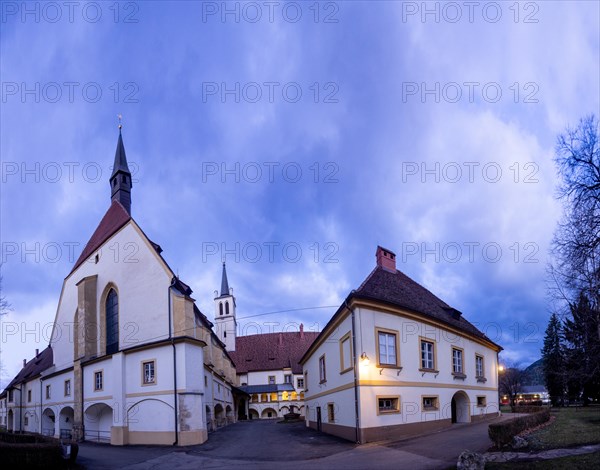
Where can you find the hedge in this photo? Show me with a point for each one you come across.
(502, 434)
(527, 408)
(29, 451)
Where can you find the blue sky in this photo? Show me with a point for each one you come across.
(311, 130)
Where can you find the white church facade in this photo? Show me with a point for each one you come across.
(132, 359)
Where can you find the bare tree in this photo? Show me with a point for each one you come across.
(575, 272)
(510, 383)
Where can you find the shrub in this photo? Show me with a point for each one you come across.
(502, 434)
(29, 451)
(527, 408)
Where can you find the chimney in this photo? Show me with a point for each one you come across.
(37, 352)
(24, 362)
(386, 259)
(301, 330)
(280, 339)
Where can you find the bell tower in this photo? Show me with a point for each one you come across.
(225, 322)
(120, 180)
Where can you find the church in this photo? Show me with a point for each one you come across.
(132, 358)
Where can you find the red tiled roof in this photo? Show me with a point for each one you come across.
(271, 351)
(116, 217)
(34, 367)
(399, 289)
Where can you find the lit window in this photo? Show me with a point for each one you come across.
(387, 348)
(322, 371)
(427, 357)
(98, 381)
(48, 392)
(67, 388)
(457, 361)
(149, 372)
(388, 404)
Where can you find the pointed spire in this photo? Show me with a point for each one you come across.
(224, 283)
(120, 180)
(120, 157)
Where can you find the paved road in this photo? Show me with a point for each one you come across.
(268, 445)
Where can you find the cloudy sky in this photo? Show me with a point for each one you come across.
(292, 138)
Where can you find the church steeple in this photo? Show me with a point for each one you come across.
(224, 283)
(225, 322)
(120, 180)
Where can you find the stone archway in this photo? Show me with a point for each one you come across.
(98, 420)
(219, 415)
(268, 413)
(65, 422)
(460, 408)
(253, 414)
(48, 422)
(209, 420)
(229, 414)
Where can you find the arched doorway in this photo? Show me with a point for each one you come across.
(65, 422)
(48, 420)
(253, 414)
(269, 413)
(98, 419)
(10, 425)
(460, 408)
(219, 415)
(229, 414)
(209, 421)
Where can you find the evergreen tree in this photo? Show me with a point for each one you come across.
(554, 363)
(582, 352)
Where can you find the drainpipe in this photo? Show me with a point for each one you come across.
(82, 437)
(354, 361)
(41, 404)
(174, 363)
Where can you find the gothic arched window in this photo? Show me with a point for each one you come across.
(112, 322)
(220, 308)
(226, 308)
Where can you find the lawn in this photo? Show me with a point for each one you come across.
(571, 427)
(582, 462)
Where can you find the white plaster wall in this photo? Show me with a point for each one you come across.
(142, 282)
(409, 331)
